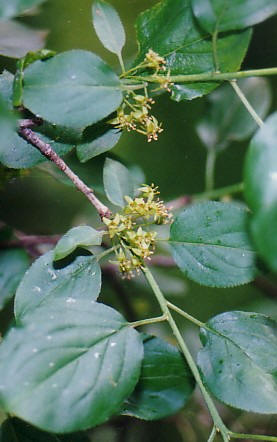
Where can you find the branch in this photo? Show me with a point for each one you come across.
(46, 150)
(208, 76)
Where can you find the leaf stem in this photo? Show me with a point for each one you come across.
(212, 435)
(252, 436)
(215, 55)
(46, 150)
(210, 76)
(121, 62)
(148, 321)
(185, 315)
(165, 309)
(246, 103)
(210, 169)
(107, 252)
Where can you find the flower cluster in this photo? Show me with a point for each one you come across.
(134, 115)
(153, 60)
(127, 229)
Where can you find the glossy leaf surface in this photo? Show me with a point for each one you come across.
(260, 173)
(165, 383)
(83, 357)
(239, 360)
(210, 244)
(12, 8)
(16, 39)
(108, 26)
(47, 281)
(226, 118)
(13, 264)
(77, 237)
(64, 89)
(186, 48)
(118, 182)
(231, 15)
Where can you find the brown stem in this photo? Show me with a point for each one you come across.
(49, 153)
(180, 202)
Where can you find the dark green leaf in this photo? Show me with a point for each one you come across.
(17, 39)
(15, 152)
(13, 264)
(229, 15)
(239, 360)
(211, 246)
(165, 383)
(226, 118)
(108, 26)
(12, 8)
(81, 278)
(97, 140)
(260, 173)
(64, 89)
(186, 48)
(82, 236)
(70, 367)
(15, 430)
(264, 230)
(118, 182)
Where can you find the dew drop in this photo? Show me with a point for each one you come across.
(96, 355)
(51, 364)
(48, 337)
(37, 289)
(52, 274)
(71, 300)
(34, 350)
(113, 344)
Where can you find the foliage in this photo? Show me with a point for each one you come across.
(70, 362)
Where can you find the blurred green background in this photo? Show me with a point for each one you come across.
(37, 203)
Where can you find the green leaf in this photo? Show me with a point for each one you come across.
(165, 383)
(13, 264)
(226, 118)
(211, 246)
(239, 360)
(82, 236)
(186, 48)
(15, 430)
(70, 367)
(12, 8)
(229, 15)
(260, 173)
(15, 152)
(108, 26)
(97, 140)
(118, 182)
(47, 281)
(16, 39)
(264, 232)
(64, 89)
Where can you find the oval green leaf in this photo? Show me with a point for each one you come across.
(239, 360)
(210, 244)
(108, 26)
(83, 357)
(47, 281)
(186, 48)
(118, 182)
(64, 89)
(230, 15)
(13, 264)
(260, 172)
(82, 236)
(165, 383)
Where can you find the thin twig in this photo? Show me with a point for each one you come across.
(246, 103)
(49, 153)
